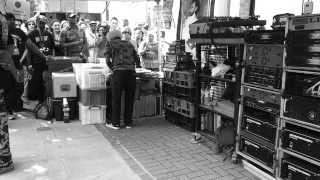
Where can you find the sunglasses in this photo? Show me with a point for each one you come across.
(126, 32)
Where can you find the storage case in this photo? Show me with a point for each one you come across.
(91, 76)
(257, 151)
(262, 129)
(303, 84)
(185, 79)
(301, 140)
(64, 85)
(92, 114)
(57, 107)
(297, 169)
(93, 97)
(302, 108)
(184, 108)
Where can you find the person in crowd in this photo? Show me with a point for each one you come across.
(56, 37)
(192, 17)
(101, 41)
(126, 35)
(64, 25)
(138, 37)
(83, 25)
(30, 25)
(148, 51)
(114, 24)
(92, 38)
(8, 76)
(40, 45)
(19, 45)
(73, 39)
(18, 23)
(121, 57)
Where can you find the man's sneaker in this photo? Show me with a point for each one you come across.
(128, 127)
(112, 126)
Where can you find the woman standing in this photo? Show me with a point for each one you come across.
(55, 27)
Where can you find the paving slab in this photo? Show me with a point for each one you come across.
(164, 151)
(63, 151)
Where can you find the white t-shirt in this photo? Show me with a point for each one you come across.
(186, 34)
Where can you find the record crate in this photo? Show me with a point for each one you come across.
(188, 94)
(185, 79)
(180, 120)
(168, 88)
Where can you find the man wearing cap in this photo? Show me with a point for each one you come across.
(40, 45)
(73, 39)
(121, 57)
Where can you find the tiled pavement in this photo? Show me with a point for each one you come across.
(157, 149)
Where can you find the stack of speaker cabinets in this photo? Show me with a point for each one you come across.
(260, 99)
(91, 79)
(64, 87)
(300, 127)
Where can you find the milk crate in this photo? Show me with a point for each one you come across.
(93, 97)
(184, 108)
(188, 94)
(185, 79)
(92, 114)
(91, 76)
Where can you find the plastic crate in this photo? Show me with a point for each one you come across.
(91, 76)
(93, 97)
(188, 94)
(185, 79)
(92, 114)
(184, 108)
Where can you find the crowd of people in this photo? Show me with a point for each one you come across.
(26, 46)
(36, 39)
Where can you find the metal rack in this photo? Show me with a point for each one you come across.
(223, 108)
(270, 172)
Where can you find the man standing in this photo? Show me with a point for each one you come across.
(92, 38)
(19, 43)
(124, 58)
(73, 39)
(191, 18)
(40, 45)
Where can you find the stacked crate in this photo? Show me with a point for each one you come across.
(179, 95)
(92, 79)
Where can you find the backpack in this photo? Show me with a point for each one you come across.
(43, 110)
